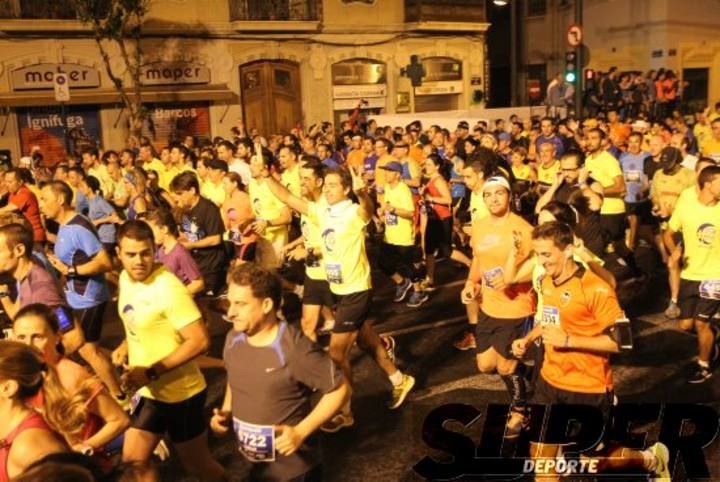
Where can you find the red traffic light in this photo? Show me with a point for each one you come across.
(589, 74)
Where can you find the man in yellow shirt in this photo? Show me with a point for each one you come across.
(711, 146)
(398, 250)
(180, 159)
(164, 332)
(93, 167)
(342, 227)
(290, 176)
(148, 160)
(548, 166)
(698, 219)
(119, 195)
(214, 188)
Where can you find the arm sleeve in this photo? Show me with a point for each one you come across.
(311, 366)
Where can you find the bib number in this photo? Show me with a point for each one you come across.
(391, 219)
(256, 442)
(550, 316)
(632, 176)
(490, 274)
(710, 289)
(333, 273)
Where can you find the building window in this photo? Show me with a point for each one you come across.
(37, 9)
(536, 8)
(302, 10)
(445, 11)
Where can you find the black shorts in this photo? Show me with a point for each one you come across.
(438, 236)
(694, 307)
(643, 211)
(182, 421)
(546, 394)
(91, 321)
(351, 311)
(214, 283)
(317, 292)
(498, 333)
(398, 259)
(614, 226)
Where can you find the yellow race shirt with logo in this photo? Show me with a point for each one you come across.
(153, 312)
(398, 230)
(665, 189)
(290, 178)
(711, 148)
(478, 208)
(266, 206)
(699, 225)
(547, 175)
(214, 192)
(166, 175)
(522, 172)
(604, 168)
(342, 232)
(311, 237)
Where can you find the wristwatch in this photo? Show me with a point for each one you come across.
(72, 272)
(152, 374)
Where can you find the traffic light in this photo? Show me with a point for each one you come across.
(571, 66)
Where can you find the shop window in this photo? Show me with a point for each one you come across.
(168, 123)
(536, 8)
(45, 127)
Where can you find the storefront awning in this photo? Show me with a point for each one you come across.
(31, 98)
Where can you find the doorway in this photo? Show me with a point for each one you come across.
(271, 99)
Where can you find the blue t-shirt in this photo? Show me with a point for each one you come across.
(633, 172)
(457, 189)
(81, 203)
(77, 243)
(554, 140)
(407, 175)
(330, 162)
(369, 164)
(100, 208)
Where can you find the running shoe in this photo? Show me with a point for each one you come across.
(401, 391)
(661, 473)
(338, 422)
(701, 375)
(401, 290)
(389, 344)
(467, 342)
(672, 311)
(417, 298)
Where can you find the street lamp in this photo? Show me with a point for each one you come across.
(500, 3)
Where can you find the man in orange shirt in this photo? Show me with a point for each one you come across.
(581, 325)
(504, 309)
(356, 156)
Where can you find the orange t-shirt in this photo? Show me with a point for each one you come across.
(584, 305)
(491, 244)
(356, 159)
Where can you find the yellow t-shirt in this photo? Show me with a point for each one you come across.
(214, 192)
(342, 230)
(311, 237)
(546, 175)
(155, 165)
(604, 168)
(702, 132)
(290, 178)
(398, 230)
(665, 189)
(266, 206)
(522, 173)
(101, 174)
(711, 148)
(153, 312)
(700, 226)
(478, 208)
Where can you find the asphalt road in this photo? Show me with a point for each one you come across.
(385, 445)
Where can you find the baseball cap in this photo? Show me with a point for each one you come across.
(392, 166)
(496, 181)
(217, 164)
(640, 124)
(463, 125)
(504, 136)
(670, 155)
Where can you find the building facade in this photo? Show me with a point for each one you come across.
(275, 64)
(636, 35)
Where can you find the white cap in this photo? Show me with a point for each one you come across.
(496, 181)
(26, 161)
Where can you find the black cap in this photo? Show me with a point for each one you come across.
(217, 164)
(670, 155)
(463, 125)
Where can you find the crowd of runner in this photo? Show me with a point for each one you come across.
(542, 216)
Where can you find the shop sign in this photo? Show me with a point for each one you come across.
(440, 88)
(169, 123)
(359, 91)
(357, 72)
(174, 74)
(40, 76)
(350, 104)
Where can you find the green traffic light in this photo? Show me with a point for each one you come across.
(570, 77)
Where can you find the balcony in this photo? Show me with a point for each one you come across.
(275, 15)
(442, 11)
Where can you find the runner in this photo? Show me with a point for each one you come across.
(272, 371)
(581, 325)
(342, 226)
(164, 333)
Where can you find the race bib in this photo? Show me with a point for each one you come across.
(490, 274)
(333, 272)
(256, 442)
(633, 176)
(391, 219)
(710, 289)
(550, 316)
(235, 236)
